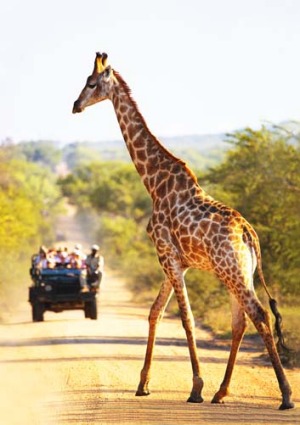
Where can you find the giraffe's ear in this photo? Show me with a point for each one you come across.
(105, 75)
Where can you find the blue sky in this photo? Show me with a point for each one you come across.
(194, 66)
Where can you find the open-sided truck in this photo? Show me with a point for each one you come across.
(59, 289)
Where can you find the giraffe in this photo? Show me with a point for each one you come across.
(189, 230)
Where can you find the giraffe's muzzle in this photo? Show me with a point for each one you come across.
(77, 107)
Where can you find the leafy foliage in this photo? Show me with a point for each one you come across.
(29, 199)
(40, 152)
(78, 154)
(260, 178)
(111, 187)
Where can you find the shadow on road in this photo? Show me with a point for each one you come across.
(95, 406)
(134, 341)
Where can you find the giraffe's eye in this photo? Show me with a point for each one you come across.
(90, 84)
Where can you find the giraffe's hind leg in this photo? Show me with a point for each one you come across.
(239, 324)
(261, 320)
(156, 313)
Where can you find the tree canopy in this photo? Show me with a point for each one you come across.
(260, 177)
(29, 201)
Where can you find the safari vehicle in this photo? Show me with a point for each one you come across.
(59, 289)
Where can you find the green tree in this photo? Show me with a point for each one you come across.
(29, 202)
(111, 187)
(41, 152)
(77, 155)
(122, 192)
(260, 178)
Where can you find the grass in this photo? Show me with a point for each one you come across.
(291, 330)
(219, 321)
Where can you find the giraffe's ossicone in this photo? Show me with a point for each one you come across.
(189, 229)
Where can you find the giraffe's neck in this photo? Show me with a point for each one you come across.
(153, 162)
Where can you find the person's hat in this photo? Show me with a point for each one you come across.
(78, 246)
(95, 247)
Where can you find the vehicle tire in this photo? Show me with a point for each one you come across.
(94, 314)
(90, 309)
(37, 312)
(87, 310)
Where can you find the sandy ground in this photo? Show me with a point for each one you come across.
(71, 370)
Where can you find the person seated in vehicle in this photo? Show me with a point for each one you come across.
(78, 248)
(51, 254)
(40, 261)
(75, 260)
(94, 268)
(65, 256)
(59, 258)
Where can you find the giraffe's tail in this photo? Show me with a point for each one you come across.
(281, 346)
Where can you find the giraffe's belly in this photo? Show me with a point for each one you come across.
(193, 253)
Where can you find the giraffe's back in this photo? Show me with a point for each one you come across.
(210, 235)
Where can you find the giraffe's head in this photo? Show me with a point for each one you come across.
(98, 84)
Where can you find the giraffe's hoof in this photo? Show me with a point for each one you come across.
(142, 393)
(217, 399)
(195, 399)
(286, 405)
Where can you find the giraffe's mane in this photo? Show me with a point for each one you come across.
(127, 90)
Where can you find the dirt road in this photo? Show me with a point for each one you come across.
(70, 370)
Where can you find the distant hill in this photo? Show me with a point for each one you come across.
(199, 151)
(198, 142)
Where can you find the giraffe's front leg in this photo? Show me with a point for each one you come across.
(189, 326)
(196, 393)
(156, 314)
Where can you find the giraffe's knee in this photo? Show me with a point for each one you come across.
(262, 315)
(187, 320)
(239, 328)
(187, 324)
(267, 319)
(155, 315)
(251, 305)
(261, 319)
